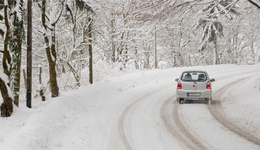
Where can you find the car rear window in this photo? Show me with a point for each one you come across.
(194, 76)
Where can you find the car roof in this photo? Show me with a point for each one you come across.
(194, 71)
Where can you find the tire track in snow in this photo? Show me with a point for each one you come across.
(217, 112)
(123, 117)
(174, 124)
(177, 128)
(179, 131)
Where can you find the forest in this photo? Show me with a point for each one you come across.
(78, 42)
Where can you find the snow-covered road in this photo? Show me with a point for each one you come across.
(190, 124)
(138, 111)
(211, 127)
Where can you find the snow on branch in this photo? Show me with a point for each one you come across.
(5, 79)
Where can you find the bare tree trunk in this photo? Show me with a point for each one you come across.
(16, 58)
(29, 56)
(24, 77)
(51, 53)
(155, 51)
(76, 76)
(42, 90)
(17, 71)
(215, 57)
(6, 56)
(113, 46)
(147, 56)
(253, 53)
(147, 60)
(90, 50)
(120, 50)
(52, 71)
(180, 45)
(136, 59)
(7, 105)
(52, 67)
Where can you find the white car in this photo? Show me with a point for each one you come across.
(194, 85)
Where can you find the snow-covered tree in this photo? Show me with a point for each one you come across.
(140, 34)
(80, 15)
(15, 45)
(49, 19)
(7, 103)
(212, 25)
(12, 33)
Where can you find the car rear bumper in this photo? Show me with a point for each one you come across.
(194, 95)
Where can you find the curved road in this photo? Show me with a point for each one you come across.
(156, 121)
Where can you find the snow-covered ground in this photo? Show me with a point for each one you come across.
(241, 104)
(138, 111)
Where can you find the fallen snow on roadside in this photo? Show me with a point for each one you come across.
(86, 118)
(242, 105)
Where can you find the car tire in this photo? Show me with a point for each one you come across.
(181, 101)
(209, 101)
(178, 100)
(206, 101)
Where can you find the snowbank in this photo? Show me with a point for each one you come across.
(242, 105)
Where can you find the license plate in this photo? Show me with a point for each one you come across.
(193, 94)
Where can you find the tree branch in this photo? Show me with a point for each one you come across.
(57, 19)
(2, 32)
(254, 3)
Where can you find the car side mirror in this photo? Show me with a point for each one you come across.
(212, 80)
(177, 79)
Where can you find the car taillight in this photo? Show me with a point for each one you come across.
(179, 86)
(208, 86)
